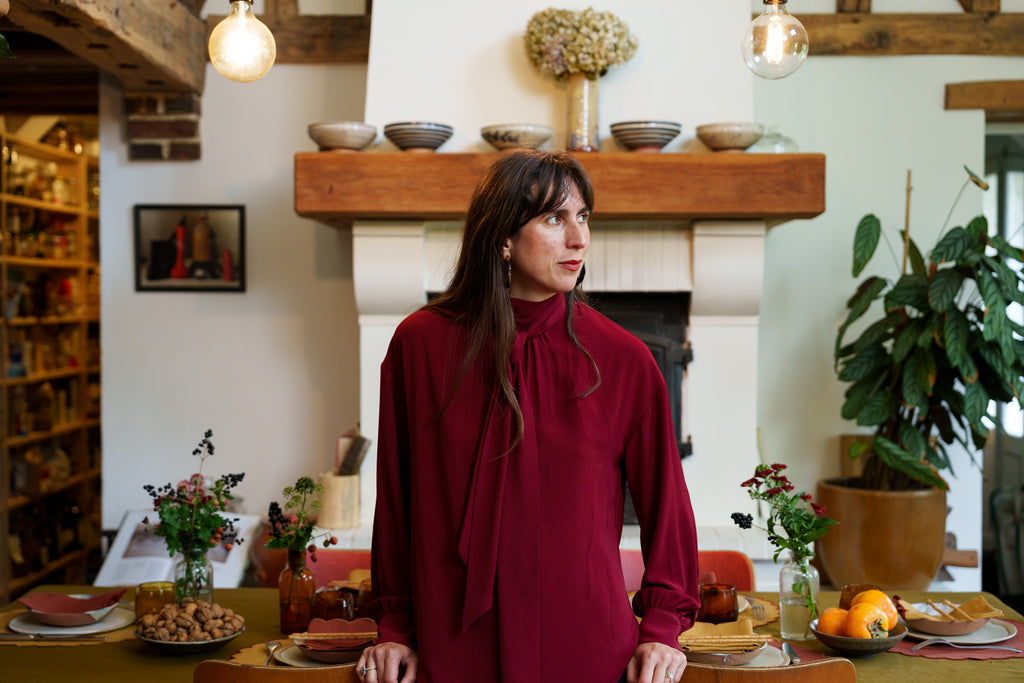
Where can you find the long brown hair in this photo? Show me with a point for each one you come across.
(517, 188)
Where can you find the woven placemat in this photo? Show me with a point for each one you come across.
(771, 611)
(257, 654)
(124, 633)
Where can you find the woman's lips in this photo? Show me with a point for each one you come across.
(571, 265)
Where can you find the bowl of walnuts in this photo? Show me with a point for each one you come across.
(190, 626)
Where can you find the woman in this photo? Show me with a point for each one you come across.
(511, 416)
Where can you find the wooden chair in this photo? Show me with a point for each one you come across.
(835, 670)
(726, 566)
(222, 671)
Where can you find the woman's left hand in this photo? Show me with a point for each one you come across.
(655, 663)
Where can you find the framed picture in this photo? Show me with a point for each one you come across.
(189, 247)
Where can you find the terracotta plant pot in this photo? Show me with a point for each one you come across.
(892, 539)
(267, 563)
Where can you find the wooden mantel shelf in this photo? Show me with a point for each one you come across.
(340, 187)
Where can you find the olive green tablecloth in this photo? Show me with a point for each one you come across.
(132, 660)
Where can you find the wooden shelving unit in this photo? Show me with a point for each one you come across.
(50, 458)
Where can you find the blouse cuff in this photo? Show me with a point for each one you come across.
(659, 626)
(397, 627)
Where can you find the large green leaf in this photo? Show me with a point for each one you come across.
(898, 459)
(5, 49)
(955, 329)
(906, 339)
(978, 230)
(988, 285)
(910, 290)
(865, 241)
(1006, 277)
(943, 288)
(857, 305)
(862, 364)
(878, 410)
(918, 378)
(879, 331)
(916, 260)
(1006, 249)
(953, 244)
(997, 329)
(912, 440)
(975, 402)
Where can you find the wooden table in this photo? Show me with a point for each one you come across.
(132, 660)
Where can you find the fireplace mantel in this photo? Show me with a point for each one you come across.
(338, 188)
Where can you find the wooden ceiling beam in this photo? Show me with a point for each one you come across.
(1001, 100)
(146, 45)
(868, 34)
(985, 6)
(853, 6)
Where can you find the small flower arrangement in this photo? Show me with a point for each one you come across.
(190, 512)
(295, 532)
(560, 42)
(790, 525)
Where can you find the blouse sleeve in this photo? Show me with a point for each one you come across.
(390, 555)
(667, 599)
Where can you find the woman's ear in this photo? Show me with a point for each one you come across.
(506, 250)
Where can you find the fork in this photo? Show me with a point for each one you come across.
(941, 641)
(271, 646)
(757, 611)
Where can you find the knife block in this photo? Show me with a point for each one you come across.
(340, 501)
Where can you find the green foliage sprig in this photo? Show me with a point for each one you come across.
(5, 48)
(190, 519)
(924, 373)
(295, 532)
(560, 42)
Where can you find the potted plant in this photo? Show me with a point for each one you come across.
(923, 375)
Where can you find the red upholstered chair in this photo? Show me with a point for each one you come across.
(725, 566)
(335, 565)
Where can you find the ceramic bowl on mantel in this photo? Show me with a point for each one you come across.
(418, 136)
(342, 136)
(645, 136)
(729, 137)
(511, 135)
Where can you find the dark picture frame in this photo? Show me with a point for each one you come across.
(189, 247)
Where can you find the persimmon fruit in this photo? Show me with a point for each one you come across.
(882, 602)
(833, 621)
(864, 620)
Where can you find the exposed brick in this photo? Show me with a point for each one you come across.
(145, 151)
(162, 128)
(184, 104)
(141, 104)
(184, 151)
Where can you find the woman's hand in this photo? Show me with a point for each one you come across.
(655, 663)
(383, 662)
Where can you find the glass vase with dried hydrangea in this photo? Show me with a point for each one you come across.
(579, 47)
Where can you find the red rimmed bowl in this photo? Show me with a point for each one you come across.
(336, 650)
(60, 609)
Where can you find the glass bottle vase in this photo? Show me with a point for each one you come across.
(296, 586)
(193, 575)
(798, 594)
(582, 119)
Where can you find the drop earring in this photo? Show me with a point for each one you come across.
(508, 271)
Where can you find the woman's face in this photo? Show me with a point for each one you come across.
(547, 253)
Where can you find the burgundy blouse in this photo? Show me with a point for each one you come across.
(504, 566)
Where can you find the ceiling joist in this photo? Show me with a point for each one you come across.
(1001, 100)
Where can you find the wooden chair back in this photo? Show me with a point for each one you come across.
(727, 566)
(223, 671)
(835, 670)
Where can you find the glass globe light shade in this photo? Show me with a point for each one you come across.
(775, 43)
(242, 48)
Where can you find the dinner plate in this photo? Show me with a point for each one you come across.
(27, 623)
(770, 656)
(293, 656)
(995, 631)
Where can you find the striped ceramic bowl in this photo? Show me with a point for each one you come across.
(645, 136)
(417, 136)
(342, 135)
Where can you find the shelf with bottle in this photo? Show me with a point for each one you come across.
(15, 502)
(37, 436)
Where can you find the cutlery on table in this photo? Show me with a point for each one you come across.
(757, 611)
(48, 636)
(271, 646)
(941, 641)
(794, 658)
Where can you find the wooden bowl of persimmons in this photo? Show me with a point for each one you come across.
(870, 625)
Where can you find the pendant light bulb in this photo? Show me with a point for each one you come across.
(775, 43)
(242, 48)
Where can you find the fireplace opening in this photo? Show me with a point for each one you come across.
(658, 319)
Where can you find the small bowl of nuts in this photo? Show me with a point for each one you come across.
(189, 627)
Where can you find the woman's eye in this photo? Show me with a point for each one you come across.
(553, 219)
(583, 218)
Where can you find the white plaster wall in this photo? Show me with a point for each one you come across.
(272, 371)
(873, 118)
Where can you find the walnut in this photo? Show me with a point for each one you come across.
(190, 608)
(171, 627)
(168, 612)
(217, 610)
(185, 621)
(148, 620)
(217, 633)
(203, 615)
(162, 634)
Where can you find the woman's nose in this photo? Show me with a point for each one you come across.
(577, 234)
